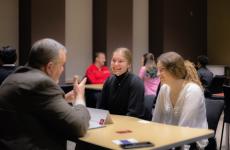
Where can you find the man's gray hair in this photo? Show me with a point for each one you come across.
(44, 51)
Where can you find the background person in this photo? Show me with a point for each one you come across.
(123, 92)
(181, 99)
(148, 73)
(204, 73)
(97, 72)
(8, 56)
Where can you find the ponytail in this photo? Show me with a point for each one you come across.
(192, 73)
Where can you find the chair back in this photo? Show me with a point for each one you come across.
(148, 103)
(157, 93)
(214, 108)
(226, 89)
(66, 87)
(216, 86)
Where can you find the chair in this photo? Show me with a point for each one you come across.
(155, 99)
(214, 108)
(226, 89)
(93, 98)
(216, 86)
(148, 103)
(66, 87)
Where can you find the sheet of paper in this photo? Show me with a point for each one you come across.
(99, 118)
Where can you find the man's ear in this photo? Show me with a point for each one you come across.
(48, 68)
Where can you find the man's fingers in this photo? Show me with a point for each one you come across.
(83, 81)
(75, 78)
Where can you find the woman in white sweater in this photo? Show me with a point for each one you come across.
(181, 99)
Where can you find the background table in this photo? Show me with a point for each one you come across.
(94, 86)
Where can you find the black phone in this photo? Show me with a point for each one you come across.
(137, 145)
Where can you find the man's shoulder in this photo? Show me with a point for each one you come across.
(28, 71)
(134, 77)
(136, 80)
(3, 70)
(105, 68)
(28, 75)
(110, 80)
(203, 70)
(7, 68)
(92, 66)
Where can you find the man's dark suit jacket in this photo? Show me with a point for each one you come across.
(34, 114)
(5, 71)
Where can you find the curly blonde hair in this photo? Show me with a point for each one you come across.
(191, 73)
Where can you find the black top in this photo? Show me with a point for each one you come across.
(123, 95)
(5, 71)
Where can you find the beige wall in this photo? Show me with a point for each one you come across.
(219, 32)
(78, 32)
(140, 32)
(9, 23)
(78, 37)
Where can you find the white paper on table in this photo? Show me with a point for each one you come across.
(99, 118)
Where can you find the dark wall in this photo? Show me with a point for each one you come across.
(99, 26)
(119, 24)
(182, 28)
(40, 19)
(218, 32)
(112, 25)
(156, 27)
(24, 30)
(48, 20)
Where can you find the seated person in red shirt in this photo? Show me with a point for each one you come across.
(97, 72)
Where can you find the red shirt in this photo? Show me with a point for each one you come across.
(97, 75)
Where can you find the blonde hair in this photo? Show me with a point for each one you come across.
(191, 73)
(126, 53)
